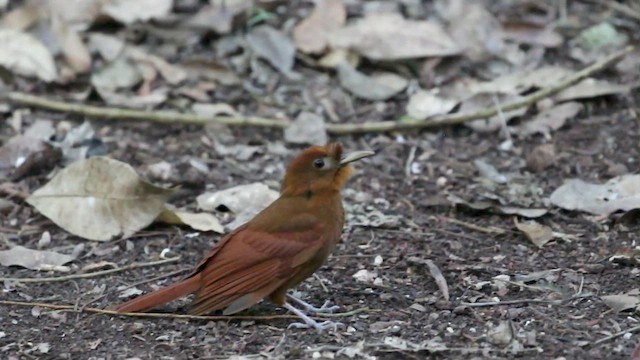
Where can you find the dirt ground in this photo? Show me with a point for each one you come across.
(547, 307)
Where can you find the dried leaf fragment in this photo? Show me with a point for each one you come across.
(100, 198)
(376, 87)
(243, 200)
(34, 259)
(619, 193)
(198, 221)
(392, 37)
(273, 46)
(537, 233)
(310, 35)
(26, 56)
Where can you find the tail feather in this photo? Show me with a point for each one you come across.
(161, 296)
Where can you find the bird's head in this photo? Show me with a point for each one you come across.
(320, 168)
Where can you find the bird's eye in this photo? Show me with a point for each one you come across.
(318, 163)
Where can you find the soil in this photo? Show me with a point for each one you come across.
(556, 313)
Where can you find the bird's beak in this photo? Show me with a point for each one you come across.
(355, 156)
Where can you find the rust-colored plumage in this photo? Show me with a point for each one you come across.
(279, 248)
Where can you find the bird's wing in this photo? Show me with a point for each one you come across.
(250, 264)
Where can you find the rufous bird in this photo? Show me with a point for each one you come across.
(276, 250)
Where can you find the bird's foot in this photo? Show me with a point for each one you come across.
(324, 309)
(320, 327)
(309, 322)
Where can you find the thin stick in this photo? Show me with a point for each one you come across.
(512, 302)
(460, 118)
(92, 274)
(164, 117)
(169, 315)
(613, 336)
(168, 117)
(486, 230)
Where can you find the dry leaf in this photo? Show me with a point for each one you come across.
(501, 335)
(439, 278)
(590, 88)
(548, 120)
(198, 221)
(621, 302)
(273, 46)
(100, 198)
(474, 29)
(244, 200)
(206, 109)
(520, 82)
(425, 104)
(532, 34)
(119, 74)
(619, 193)
(336, 57)
(80, 13)
(307, 128)
(109, 47)
(73, 48)
(392, 37)
(537, 233)
(15, 151)
(25, 55)
(130, 11)
(173, 74)
(311, 34)
(36, 259)
(376, 87)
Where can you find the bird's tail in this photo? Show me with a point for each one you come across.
(161, 296)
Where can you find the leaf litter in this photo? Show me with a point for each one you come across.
(99, 199)
(198, 53)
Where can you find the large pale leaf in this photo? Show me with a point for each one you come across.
(100, 198)
(619, 193)
(25, 55)
(310, 35)
(392, 37)
(36, 259)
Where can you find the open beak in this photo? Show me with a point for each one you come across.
(355, 156)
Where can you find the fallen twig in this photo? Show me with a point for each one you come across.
(613, 336)
(170, 315)
(512, 302)
(168, 117)
(92, 274)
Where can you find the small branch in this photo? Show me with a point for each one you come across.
(169, 117)
(613, 336)
(169, 315)
(163, 117)
(92, 274)
(512, 302)
(486, 230)
(460, 118)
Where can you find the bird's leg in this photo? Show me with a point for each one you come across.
(325, 308)
(309, 322)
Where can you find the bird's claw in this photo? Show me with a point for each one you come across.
(320, 327)
(324, 309)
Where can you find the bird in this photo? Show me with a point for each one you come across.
(280, 247)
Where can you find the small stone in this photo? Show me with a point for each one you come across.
(541, 157)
